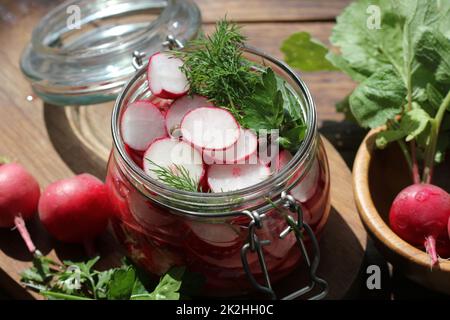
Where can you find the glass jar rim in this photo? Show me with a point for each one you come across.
(300, 156)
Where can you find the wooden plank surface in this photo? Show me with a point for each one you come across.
(344, 235)
(271, 10)
(36, 135)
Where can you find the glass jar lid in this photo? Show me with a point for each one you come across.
(81, 51)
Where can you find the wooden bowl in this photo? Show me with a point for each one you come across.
(378, 176)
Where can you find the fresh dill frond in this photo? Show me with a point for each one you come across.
(215, 68)
(178, 178)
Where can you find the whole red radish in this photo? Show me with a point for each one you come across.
(19, 197)
(420, 215)
(75, 210)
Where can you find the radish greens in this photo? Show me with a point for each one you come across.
(403, 71)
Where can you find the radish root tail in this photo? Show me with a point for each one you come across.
(21, 227)
(430, 246)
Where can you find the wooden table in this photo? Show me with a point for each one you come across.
(23, 123)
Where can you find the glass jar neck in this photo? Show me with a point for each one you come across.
(225, 203)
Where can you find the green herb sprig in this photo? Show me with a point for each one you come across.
(80, 281)
(215, 68)
(178, 178)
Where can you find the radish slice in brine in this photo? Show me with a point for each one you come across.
(165, 78)
(230, 177)
(170, 153)
(210, 128)
(141, 124)
(242, 152)
(180, 108)
(308, 184)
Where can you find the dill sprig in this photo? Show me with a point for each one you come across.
(215, 68)
(179, 178)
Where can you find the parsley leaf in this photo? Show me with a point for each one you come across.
(273, 106)
(264, 108)
(80, 281)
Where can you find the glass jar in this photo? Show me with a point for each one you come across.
(238, 240)
(80, 52)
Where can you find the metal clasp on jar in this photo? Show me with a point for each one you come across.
(171, 42)
(299, 227)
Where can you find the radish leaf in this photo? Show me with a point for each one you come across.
(305, 53)
(378, 98)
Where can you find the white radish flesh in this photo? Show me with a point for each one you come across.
(142, 123)
(180, 108)
(242, 152)
(165, 78)
(170, 153)
(307, 185)
(282, 160)
(210, 128)
(224, 178)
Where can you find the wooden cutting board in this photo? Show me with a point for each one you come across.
(342, 245)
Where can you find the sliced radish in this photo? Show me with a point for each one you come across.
(242, 152)
(165, 78)
(283, 159)
(268, 148)
(142, 123)
(169, 153)
(229, 177)
(162, 104)
(308, 184)
(210, 128)
(180, 107)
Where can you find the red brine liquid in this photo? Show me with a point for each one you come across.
(157, 239)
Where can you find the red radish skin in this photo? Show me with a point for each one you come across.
(135, 155)
(19, 197)
(210, 128)
(230, 177)
(420, 215)
(180, 108)
(244, 151)
(141, 124)
(165, 78)
(448, 229)
(168, 152)
(75, 210)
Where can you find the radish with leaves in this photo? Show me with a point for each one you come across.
(420, 215)
(405, 87)
(19, 197)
